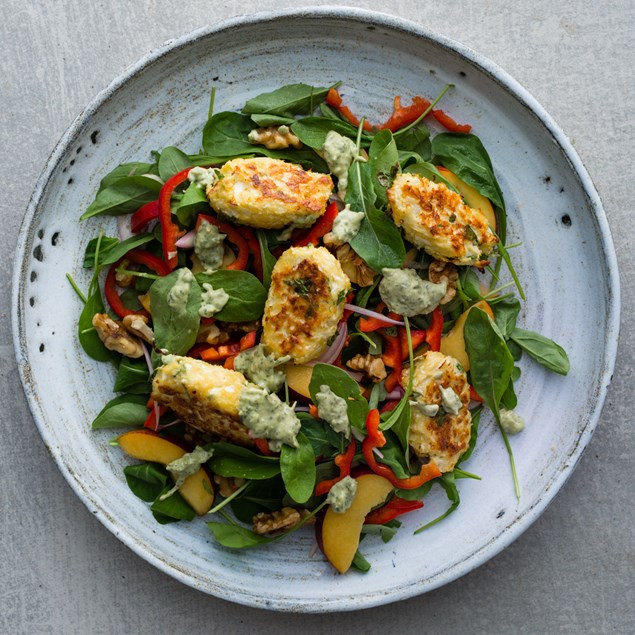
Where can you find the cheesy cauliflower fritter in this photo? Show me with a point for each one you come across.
(269, 193)
(305, 303)
(435, 218)
(443, 437)
(203, 395)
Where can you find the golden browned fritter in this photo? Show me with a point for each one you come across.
(269, 193)
(204, 396)
(443, 437)
(435, 218)
(305, 303)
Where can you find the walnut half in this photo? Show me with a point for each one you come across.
(354, 267)
(371, 365)
(444, 272)
(115, 337)
(287, 517)
(274, 138)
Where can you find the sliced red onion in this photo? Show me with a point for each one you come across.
(333, 351)
(301, 408)
(378, 453)
(169, 425)
(123, 227)
(353, 374)
(373, 314)
(187, 240)
(148, 359)
(157, 416)
(395, 394)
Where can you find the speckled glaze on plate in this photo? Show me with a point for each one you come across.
(566, 262)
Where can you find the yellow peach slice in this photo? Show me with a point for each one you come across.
(473, 199)
(340, 532)
(453, 342)
(299, 378)
(146, 445)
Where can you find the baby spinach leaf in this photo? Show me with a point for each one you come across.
(126, 410)
(379, 242)
(106, 243)
(343, 386)
(232, 460)
(401, 428)
(360, 563)
(430, 172)
(505, 315)
(110, 255)
(465, 155)
(491, 363)
(315, 430)
(287, 101)
(171, 509)
(226, 135)
(136, 168)
(193, 202)
(124, 196)
(545, 351)
(132, 373)
(172, 161)
(393, 455)
(312, 131)
(360, 193)
(387, 533)
(246, 294)
(268, 259)
(384, 164)
(175, 327)
(146, 480)
(470, 284)
(415, 140)
(509, 399)
(264, 121)
(448, 483)
(476, 418)
(297, 466)
(87, 334)
(236, 537)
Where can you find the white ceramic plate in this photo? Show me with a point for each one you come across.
(567, 265)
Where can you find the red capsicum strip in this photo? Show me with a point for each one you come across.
(234, 236)
(322, 226)
(474, 395)
(222, 352)
(170, 231)
(376, 439)
(418, 338)
(334, 100)
(396, 506)
(435, 330)
(254, 249)
(151, 421)
(401, 116)
(144, 215)
(343, 462)
(139, 257)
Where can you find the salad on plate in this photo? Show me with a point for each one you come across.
(306, 319)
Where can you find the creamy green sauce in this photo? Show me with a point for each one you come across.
(209, 246)
(450, 401)
(346, 224)
(333, 410)
(404, 292)
(259, 366)
(511, 422)
(339, 152)
(187, 465)
(341, 495)
(426, 409)
(212, 300)
(180, 291)
(203, 177)
(268, 418)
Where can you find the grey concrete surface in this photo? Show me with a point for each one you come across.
(573, 571)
